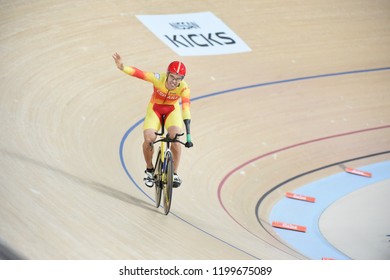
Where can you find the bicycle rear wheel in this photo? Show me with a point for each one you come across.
(167, 187)
(157, 180)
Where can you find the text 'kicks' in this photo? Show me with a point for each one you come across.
(148, 179)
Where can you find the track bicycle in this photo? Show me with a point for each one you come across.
(163, 168)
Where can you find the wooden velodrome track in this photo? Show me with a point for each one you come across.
(66, 109)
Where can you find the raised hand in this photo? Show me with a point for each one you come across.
(118, 60)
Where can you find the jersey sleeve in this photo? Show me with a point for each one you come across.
(185, 103)
(135, 72)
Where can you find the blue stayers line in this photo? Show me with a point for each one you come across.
(131, 129)
(291, 80)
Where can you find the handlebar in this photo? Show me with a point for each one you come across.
(167, 139)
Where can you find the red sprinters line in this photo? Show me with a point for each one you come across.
(225, 178)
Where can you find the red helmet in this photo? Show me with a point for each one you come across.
(177, 67)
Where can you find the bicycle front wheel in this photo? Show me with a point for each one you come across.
(168, 184)
(157, 180)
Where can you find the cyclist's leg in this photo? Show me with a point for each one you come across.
(174, 124)
(175, 147)
(151, 125)
(147, 147)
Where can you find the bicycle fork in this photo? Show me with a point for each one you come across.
(164, 163)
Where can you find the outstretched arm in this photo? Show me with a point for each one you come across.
(133, 71)
(118, 61)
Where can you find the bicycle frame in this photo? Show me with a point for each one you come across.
(165, 142)
(164, 168)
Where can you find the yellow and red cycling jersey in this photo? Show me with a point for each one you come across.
(161, 95)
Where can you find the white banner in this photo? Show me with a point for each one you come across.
(194, 34)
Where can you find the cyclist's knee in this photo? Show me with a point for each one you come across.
(149, 136)
(173, 130)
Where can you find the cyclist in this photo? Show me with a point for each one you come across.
(168, 89)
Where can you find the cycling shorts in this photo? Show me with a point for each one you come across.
(154, 112)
